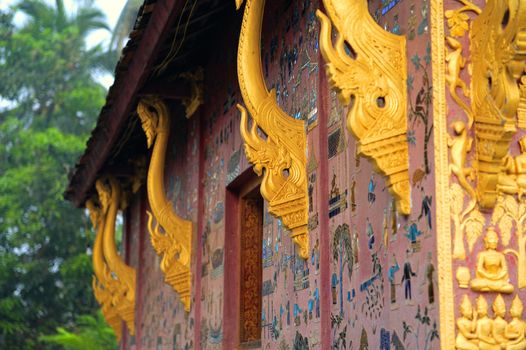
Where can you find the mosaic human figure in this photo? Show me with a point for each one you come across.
(391, 276)
(408, 273)
(430, 270)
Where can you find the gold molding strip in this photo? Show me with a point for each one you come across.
(497, 57)
(367, 67)
(280, 154)
(175, 244)
(443, 218)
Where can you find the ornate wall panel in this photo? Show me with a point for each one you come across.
(251, 268)
(480, 239)
(171, 236)
(384, 285)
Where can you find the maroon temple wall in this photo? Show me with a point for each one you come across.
(351, 292)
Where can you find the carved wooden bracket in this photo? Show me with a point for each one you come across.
(367, 68)
(175, 244)
(498, 51)
(280, 155)
(114, 281)
(196, 85)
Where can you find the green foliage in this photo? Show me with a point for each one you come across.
(92, 332)
(48, 104)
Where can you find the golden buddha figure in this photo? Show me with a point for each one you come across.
(466, 337)
(516, 328)
(484, 329)
(492, 269)
(499, 324)
(513, 181)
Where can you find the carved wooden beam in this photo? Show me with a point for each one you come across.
(371, 72)
(175, 244)
(281, 157)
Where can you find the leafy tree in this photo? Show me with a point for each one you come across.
(124, 24)
(48, 104)
(92, 333)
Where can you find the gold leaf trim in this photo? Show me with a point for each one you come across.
(443, 218)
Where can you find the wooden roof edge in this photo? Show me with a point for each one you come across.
(124, 90)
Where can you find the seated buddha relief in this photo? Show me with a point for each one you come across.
(492, 269)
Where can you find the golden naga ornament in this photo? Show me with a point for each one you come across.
(175, 244)
(372, 74)
(280, 156)
(123, 290)
(498, 52)
(103, 283)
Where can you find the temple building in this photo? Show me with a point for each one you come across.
(313, 174)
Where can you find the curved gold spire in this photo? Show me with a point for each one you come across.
(281, 157)
(367, 67)
(175, 244)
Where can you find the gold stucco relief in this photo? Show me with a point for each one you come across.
(276, 143)
(488, 178)
(497, 38)
(477, 330)
(171, 236)
(367, 67)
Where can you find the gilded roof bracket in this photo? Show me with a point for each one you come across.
(367, 67)
(192, 103)
(175, 243)
(124, 296)
(103, 284)
(498, 51)
(113, 280)
(280, 155)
